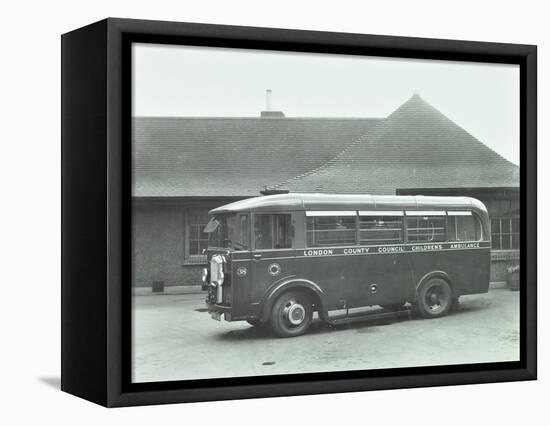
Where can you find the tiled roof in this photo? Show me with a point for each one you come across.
(415, 147)
(202, 157)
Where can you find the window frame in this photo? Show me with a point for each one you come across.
(477, 223)
(188, 257)
(253, 230)
(432, 213)
(380, 213)
(332, 213)
(510, 234)
(250, 229)
(196, 241)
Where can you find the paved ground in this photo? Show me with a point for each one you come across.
(174, 339)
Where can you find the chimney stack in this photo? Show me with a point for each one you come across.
(269, 113)
(268, 94)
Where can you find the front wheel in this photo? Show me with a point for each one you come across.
(291, 314)
(434, 298)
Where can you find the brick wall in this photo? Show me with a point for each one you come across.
(500, 261)
(157, 246)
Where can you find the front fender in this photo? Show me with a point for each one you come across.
(286, 284)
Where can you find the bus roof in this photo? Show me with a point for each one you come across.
(335, 202)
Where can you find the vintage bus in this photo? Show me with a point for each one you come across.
(275, 260)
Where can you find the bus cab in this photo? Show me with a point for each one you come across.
(275, 260)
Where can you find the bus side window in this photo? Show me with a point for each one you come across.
(380, 229)
(423, 229)
(330, 231)
(272, 231)
(463, 227)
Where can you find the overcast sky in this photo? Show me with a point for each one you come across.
(217, 82)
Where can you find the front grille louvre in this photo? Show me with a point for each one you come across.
(218, 266)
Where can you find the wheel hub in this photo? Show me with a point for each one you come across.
(434, 298)
(295, 313)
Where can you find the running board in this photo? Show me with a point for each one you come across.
(353, 318)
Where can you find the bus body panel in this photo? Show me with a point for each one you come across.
(328, 274)
(267, 271)
(387, 280)
(467, 270)
(242, 285)
(362, 280)
(349, 284)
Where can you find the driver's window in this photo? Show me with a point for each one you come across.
(263, 231)
(244, 231)
(272, 231)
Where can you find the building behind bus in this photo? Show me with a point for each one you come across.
(183, 167)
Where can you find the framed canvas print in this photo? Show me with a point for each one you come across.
(253, 212)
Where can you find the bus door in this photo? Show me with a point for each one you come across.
(385, 273)
(273, 256)
(242, 260)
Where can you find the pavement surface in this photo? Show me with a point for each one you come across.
(175, 339)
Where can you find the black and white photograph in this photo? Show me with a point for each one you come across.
(267, 212)
(298, 212)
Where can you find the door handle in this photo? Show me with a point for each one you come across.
(257, 256)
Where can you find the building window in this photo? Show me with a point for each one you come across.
(197, 239)
(505, 233)
(380, 229)
(330, 231)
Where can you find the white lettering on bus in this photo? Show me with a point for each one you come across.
(427, 247)
(360, 250)
(391, 249)
(464, 245)
(319, 252)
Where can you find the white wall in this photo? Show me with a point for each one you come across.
(30, 173)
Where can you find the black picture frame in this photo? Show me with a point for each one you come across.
(96, 225)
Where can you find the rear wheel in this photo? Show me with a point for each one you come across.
(434, 298)
(291, 314)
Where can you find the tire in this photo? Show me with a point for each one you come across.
(434, 298)
(291, 314)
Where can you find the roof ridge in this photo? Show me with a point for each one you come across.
(183, 117)
(400, 126)
(417, 98)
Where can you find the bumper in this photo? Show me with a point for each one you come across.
(219, 312)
